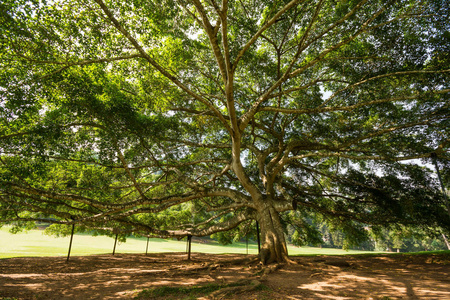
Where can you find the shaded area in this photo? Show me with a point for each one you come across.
(123, 276)
(366, 277)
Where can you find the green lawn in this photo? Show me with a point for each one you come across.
(35, 243)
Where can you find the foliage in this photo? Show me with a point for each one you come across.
(176, 118)
(408, 240)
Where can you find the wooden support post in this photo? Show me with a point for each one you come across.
(70, 244)
(115, 243)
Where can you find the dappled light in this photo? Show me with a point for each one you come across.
(367, 278)
(308, 277)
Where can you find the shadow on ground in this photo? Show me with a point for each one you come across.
(315, 277)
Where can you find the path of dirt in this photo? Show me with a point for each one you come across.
(313, 277)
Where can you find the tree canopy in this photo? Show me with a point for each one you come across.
(189, 117)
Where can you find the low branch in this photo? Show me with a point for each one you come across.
(224, 226)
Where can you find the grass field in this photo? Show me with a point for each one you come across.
(35, 243)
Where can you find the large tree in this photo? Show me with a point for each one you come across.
(192, 117)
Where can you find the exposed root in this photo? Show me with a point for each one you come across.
(267, 269)
(291, 262)
(222, 293)
(244, 261)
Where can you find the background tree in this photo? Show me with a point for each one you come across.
(184, 117)
(408, 240)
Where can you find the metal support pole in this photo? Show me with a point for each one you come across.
(189, 241)
(115, 243)
(246, 243)
(257, 236)
(70, 244)
(146, 249)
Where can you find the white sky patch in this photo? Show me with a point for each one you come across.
(325, 94)
(418, 162)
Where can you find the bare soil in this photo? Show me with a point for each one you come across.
(124, 276)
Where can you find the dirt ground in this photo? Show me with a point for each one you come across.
(123, 276)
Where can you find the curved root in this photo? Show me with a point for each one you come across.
(220, 294)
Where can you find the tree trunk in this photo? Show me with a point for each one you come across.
(446, 241)
(273, 247)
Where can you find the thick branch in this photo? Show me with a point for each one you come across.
(245, 119)
(158, 67)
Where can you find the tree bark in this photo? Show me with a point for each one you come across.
(273, 247)
(446, 241)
